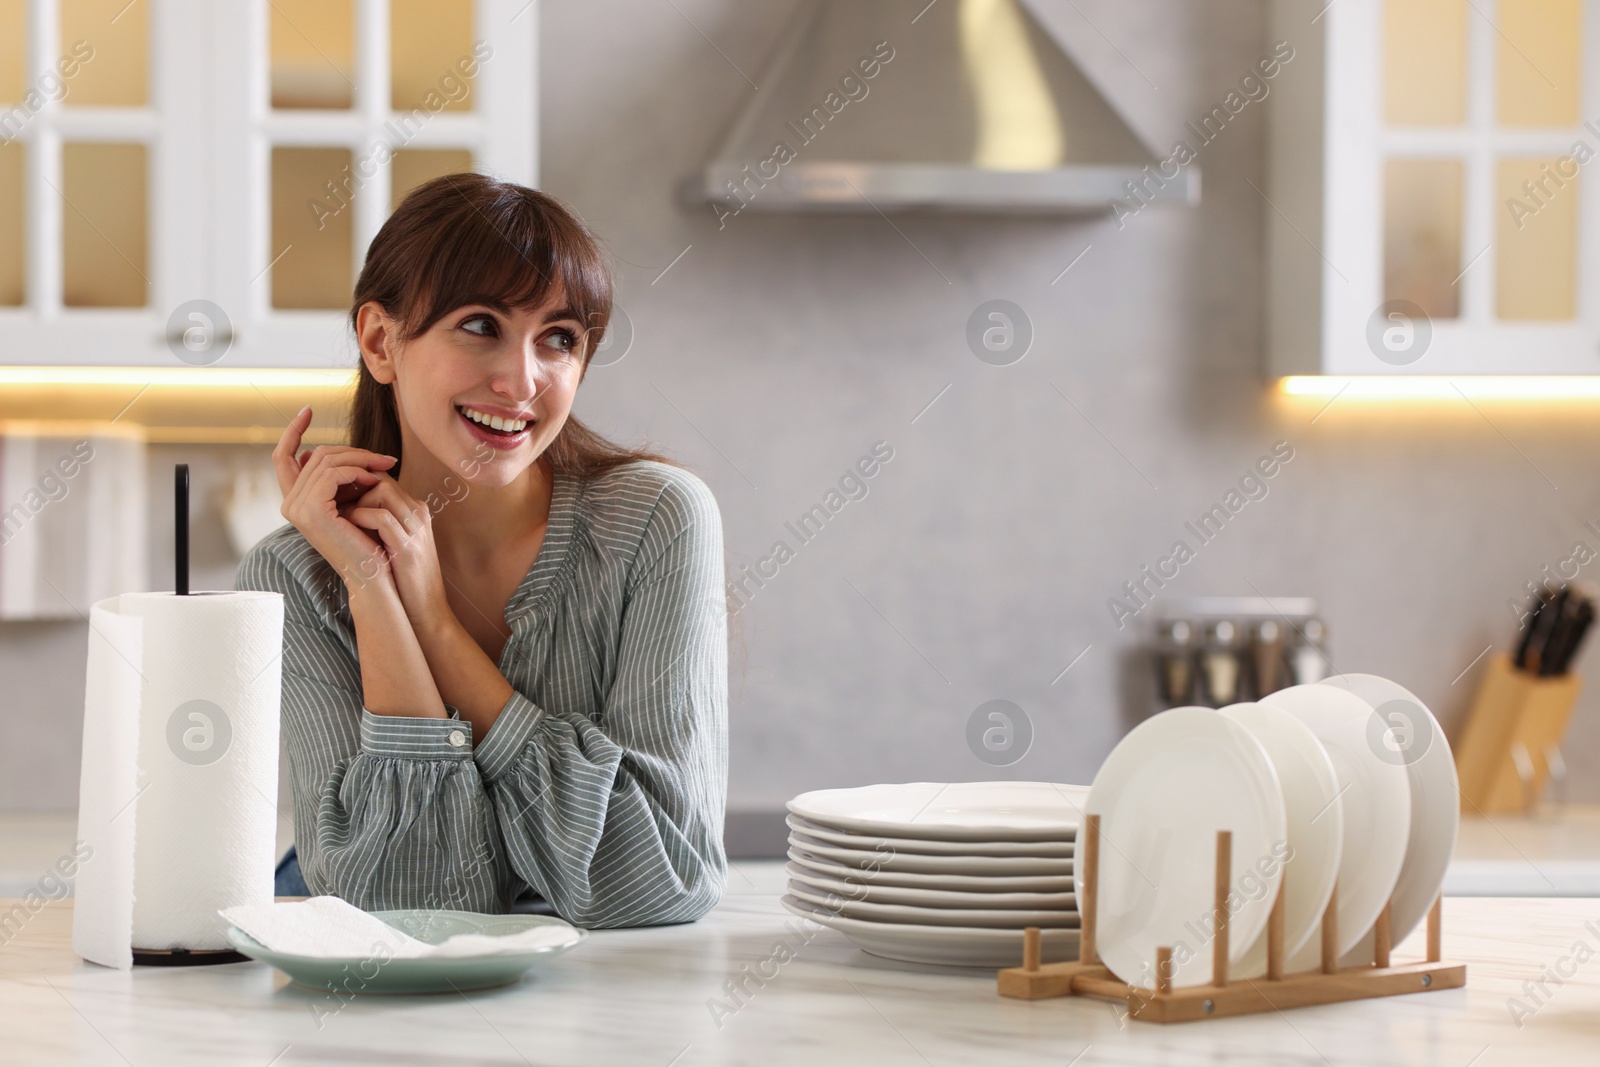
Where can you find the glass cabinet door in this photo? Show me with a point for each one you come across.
(78, 118)
(1483, 152)
(351, 85)
(242, 154)
(105, 174)
(345, 106)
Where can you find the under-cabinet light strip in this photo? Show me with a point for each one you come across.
(201, 377)
(1421, 387)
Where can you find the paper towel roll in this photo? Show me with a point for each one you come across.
(179, 794)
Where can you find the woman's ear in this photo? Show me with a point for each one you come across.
(375, 334)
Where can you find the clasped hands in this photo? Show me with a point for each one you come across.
(378, 537)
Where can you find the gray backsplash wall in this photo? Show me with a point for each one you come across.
(777, 350)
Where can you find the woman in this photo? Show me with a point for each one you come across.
(505, 638)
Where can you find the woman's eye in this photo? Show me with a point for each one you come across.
(563, 341)
(482, 325)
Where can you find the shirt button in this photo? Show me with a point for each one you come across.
(457, 738)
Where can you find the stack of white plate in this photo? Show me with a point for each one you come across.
(935, 872)
(1348, 782)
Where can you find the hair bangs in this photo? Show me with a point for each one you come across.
(511, 253)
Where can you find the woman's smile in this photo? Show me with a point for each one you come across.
(496, 427)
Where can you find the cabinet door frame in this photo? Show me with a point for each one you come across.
(210, 131)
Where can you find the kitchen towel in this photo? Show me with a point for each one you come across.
(178, 798)
(331, 928)
(72, 519)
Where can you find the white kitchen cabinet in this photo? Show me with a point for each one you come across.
(1402, 238)
(242, 154)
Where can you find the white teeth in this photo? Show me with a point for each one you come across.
(495, 421)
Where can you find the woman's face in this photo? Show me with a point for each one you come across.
(484, 391)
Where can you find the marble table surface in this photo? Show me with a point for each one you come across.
(659, 998)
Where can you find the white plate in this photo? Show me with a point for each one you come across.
(1162, 795)
(435, 974)
(960, 946)
(1376, 798)
(906, 914)
(1417, 741)
(956, 811)
(931, 898)
(962, 865)
(926, 847)
(1315, 816)
(954, 882)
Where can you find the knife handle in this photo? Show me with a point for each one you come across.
(1572, 637)
(1528, 626)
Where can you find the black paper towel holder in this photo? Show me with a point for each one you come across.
(180, 529)
(186, 957)
(180, 536)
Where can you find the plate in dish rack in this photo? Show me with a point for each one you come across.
(1315, 816)
(1416, 741)
(1162, 795)
(1376, 798)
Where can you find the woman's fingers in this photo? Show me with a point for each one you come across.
(382, 522)
(318, 486)
(392, 532)
(284, 464)
(351, 451)
(404, 526)
(331, 479)
(324, 457)
(387, 494)
(322, 484)
(349, 455)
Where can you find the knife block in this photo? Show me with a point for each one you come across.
(1516, 720)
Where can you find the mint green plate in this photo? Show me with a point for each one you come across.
(378, 975)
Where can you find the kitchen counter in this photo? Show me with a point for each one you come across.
(651, 997)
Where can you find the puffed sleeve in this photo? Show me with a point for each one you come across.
(618, 822)
(389, 811)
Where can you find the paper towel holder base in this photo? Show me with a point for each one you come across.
(186, 957)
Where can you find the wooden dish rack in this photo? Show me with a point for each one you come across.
(1330, 984)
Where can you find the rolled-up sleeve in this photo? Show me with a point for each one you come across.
(617, 821)
(389, 811)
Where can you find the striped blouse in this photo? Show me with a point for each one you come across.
(600, 787)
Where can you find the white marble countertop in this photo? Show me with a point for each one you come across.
(646, 997)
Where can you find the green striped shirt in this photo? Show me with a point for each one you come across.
(600, 787)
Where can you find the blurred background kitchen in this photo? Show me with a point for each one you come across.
(1343, 346)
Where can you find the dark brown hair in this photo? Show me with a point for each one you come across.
(468, 239)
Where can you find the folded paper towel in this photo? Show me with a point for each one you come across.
(331, 928)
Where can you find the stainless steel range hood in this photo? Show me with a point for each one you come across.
(958, 105)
